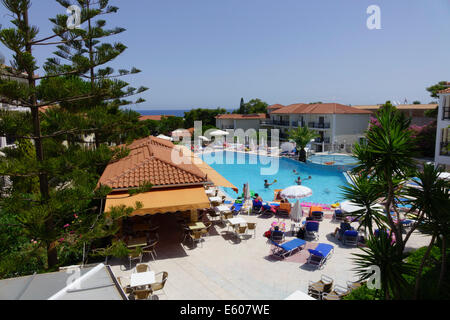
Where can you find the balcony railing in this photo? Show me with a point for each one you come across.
(444, 149)
(322, 140)
(296, 124)
(318, 125)
(227, 127)
(446, 114)
(275, 123)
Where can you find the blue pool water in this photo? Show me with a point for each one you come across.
(337, 159)
(325, 181)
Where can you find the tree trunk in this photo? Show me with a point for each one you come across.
(52, 257)
(302, 155)
(443, 264)
(422, 265)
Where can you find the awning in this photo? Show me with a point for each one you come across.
(161, 201)
(212, 174)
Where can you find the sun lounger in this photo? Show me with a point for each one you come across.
(284, 210)
(350, 237)
(236, 208)
(286, 249)
(320, 255)
(257, 205)
(317, 215)
(312, 229)
(338, 215)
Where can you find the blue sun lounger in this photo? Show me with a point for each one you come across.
(236, 208)
(286, 249)
(320, 255)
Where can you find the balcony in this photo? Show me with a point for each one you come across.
(318, 125)
(275, 123)
(297, 124)
(444, 149)
(322, 140)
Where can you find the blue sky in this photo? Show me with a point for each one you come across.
(209, 53)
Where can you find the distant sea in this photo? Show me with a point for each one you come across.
(174, 112)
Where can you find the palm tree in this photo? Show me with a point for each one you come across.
(387, 155)
(381, 253)
(432, 199)
(302, 136)
(365, 192)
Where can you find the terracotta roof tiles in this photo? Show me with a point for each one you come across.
(319, 108)
(242, 116)
(150, 160)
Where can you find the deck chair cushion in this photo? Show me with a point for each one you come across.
(293, 244)
(324, 248)
(351, 233)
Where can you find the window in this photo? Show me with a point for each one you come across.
(444, 142)
(446, 111)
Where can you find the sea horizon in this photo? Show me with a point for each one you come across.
(167, 112)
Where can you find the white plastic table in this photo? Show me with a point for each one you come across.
(210, 192)
(222, 208)
(142, 279)
(235, 221)
(215, 199)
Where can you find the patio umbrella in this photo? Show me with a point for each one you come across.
(296, 192)
(203, 138)
(297, 212)
(218, 133)
(350, 207)
(161, 136)
(246, 192)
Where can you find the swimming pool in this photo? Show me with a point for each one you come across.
(324, 181)
(334, 160)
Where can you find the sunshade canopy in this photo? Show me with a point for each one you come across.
(161, 136)
(161, 201)
(218, 133)
(296, 192)
(203, 138)
(350, 207)
(296, 212)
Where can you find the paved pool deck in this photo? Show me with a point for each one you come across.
(223, 267)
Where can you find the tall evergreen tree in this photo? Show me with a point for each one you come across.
(83, 96)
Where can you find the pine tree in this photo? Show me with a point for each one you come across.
(83, 97)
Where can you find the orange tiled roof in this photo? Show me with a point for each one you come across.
(242, 116)
(150, 160)
(319, 108)
(154, 117)
(275, 106)
(445, 91)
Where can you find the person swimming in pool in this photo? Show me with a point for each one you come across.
(299, 181)
(295, 172)
(267, 184)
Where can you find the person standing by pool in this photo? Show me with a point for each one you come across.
(267, 184)
(258, 198)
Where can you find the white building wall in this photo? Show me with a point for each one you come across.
(442, 124)
(350, 127)
(238, 124)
